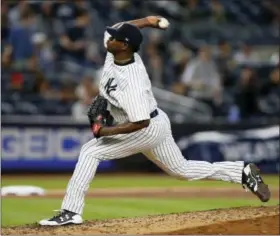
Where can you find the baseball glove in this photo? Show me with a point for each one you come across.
(98, 115)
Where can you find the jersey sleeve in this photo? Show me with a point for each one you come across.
(135, 103)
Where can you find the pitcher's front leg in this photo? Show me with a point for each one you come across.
(74, 199)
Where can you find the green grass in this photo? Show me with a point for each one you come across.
(25, 211)
(22, 210)
(115, 181)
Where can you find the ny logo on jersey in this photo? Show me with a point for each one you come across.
(109, 87)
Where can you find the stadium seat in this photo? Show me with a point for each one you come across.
(7, 108)
(26, 108)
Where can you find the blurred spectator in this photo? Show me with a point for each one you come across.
(43, 52)
(202, 79)
(274, 59)
(67, 92)
(17, 11)
(247, 93)
(69, 13)
(217, 12)
(154, 62)
(105, 9)
(63, 92)
(192, 11)
(224, 62)
(46, 92)
(272, 85)
(270, 91)
(72, 19)
(73, 45)
(85, 92)
(48, 24)
(275, 25)
(16, 83)
(93, 55)
(123, 11)
(246, 56)
(20, 53)
(274, 9)
(167, 8)
(180, 56)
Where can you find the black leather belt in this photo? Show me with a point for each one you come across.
(154, 113)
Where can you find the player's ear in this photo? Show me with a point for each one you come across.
(125, 46)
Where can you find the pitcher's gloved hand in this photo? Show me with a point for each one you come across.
(98, 115)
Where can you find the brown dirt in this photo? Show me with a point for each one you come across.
(261, 225)
(245, 220)
(175, 192)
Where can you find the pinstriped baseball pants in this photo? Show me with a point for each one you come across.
(157, 144)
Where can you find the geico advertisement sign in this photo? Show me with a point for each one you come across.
(43, 143)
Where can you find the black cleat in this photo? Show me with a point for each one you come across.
(252, 180)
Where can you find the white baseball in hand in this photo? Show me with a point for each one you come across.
(163, 23)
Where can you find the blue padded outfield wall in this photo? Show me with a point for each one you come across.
(53, 147)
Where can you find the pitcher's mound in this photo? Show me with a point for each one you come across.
(243, 220)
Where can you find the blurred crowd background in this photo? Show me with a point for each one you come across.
(223, 53)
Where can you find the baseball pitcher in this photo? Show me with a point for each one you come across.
(126, 120)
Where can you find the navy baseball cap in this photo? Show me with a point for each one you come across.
(127, 33)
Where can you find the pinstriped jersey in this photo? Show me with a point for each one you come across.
(127, 89)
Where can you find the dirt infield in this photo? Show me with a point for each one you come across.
(175, 192)
(246, 220)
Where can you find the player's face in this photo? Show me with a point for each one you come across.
(114, 45)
